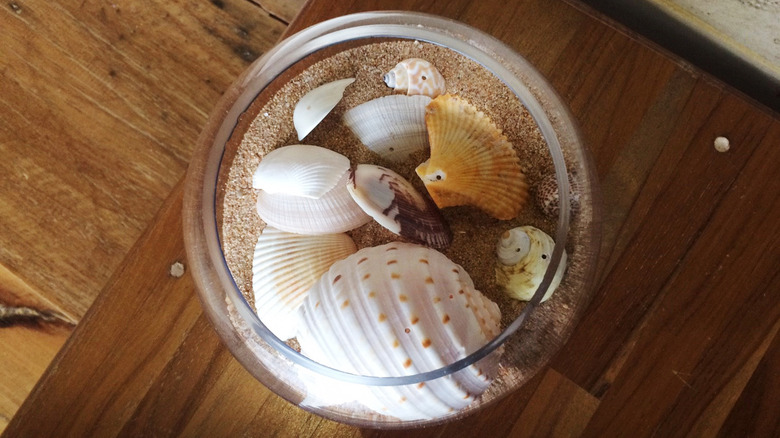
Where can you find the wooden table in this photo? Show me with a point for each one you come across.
(680, 339)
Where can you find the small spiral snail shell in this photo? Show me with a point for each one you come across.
(416, 76)
(523, 256)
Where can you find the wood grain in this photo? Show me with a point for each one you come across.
(122, 93)
(101, 104)
(681, 338)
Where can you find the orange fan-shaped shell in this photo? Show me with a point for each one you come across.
(472, 162)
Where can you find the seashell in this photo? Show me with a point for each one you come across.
(547, 196)
(316, 104)
(471, 162)
(393, 202)
(300, 170)
(333, 212)
(285, 266)
(401, 309)
(392, 126)
(523, 256)
(416, 76)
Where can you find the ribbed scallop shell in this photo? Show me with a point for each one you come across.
(471, 162)
(316, 104)
(523, 257)
(416, 76)
(400, 309)
(300, 170)
(393, 202)
(333, 212)
(285, 266)
(392, 126)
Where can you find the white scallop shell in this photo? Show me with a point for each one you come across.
(392, 126)
(400, 309)
(285, 266)
(300, 170)
(333, 212)
(393, 202)
(416, 76)
(316, 104)
(524, 254)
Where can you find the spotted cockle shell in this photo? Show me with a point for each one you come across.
(300, 170)
(316, 104)
(392, 126)
(416, 76)
(472, 162)
(393, 202)
(333, 212)
(523, 257)
(401, 309)
(547, 196)
(285, 266)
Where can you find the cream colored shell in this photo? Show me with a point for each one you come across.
(392, 126)
(284, 267)
(315, 105)
(400, 309)
(416, 76)
(333, 212)
(523, 257)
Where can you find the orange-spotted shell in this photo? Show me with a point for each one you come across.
(472, 162)
(401, 309)
(416, 76)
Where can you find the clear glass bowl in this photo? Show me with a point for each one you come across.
(526, 344)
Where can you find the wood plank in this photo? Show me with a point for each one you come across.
(558, 408)
(283, 10)
(101, 106)
(762, 390)
(25, 351)
(710, 318)
(156, 302)
(674, 221)
(711, 420)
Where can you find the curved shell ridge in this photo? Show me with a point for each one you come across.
(300, 170)
(401, 329)
(480, 167)
(392, 126)
(331, 330)
(333, 212)
(437, 396)
(280, 283)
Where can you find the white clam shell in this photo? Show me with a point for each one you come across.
(300, 170)
(393, 202)
(524, 254)
(285, 266)
(316, 104)
(416, 76)
(400, 309)
(392, 126)
(333, 212)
